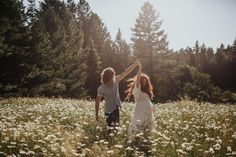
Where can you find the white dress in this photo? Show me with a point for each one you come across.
(143, 114)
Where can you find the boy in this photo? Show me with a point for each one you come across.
(109, 89)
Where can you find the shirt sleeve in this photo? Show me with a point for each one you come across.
(117, 80)
(100, 91)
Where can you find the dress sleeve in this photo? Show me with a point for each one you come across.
(136, 91)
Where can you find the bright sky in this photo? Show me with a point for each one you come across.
(209, 21)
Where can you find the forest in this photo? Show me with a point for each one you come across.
(59, 49)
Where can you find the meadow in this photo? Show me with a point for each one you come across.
(63, 127)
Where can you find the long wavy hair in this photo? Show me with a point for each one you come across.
(146, 88)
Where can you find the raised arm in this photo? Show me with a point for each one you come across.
(127, 71)
(137, 83)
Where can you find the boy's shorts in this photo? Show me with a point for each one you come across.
(113, 118)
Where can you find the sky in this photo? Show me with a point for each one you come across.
(211, 22)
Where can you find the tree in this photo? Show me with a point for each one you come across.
(149, 43)
(148, 38)
(201, 88)
(93, 63)
(122, 53)
(122, 59)
(57, 53)
(13, 47)
(94, 29)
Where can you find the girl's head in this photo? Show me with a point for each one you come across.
(145, 86)
(107, 75)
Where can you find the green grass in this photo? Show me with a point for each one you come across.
(60, 127)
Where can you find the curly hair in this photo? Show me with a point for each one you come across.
(107, 75)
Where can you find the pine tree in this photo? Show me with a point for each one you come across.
(123, 58)
(57, 52)
(94, 29)
(196, 51)
(122, 53)
(93, 63)
(148, 38)
(151, 47)
(13, 47)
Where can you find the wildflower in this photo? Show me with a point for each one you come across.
(101, 141)
(211, 150)
(217, 146)
(172, 144)
(129, 141)
(87, 149)
(30, 153)
(111, 134)
(110, 151)
(129, 148)
(180, 151)
(219, 141)
(63, 149)
(234, 135)
(22, 152)
(105, 142)
(229, 149)
(118, 146)
(208, 139)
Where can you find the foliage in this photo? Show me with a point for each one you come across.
(13, 47)
(201, 88)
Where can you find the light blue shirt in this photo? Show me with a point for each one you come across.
(111, 96)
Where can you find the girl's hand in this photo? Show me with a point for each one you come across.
(139, 64)
(153, 109)
(136, 63)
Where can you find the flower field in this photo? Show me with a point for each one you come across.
(61, 127)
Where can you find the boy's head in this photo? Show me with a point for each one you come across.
(107, 75)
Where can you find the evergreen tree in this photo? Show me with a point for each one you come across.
(148, 38)
(122, 53)
(13, 47)
(57, 52)
(122, 59)
(93, 63)
(149, 43)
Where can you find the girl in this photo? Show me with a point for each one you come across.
(141, 88)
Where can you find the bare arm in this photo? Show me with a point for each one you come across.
(97, 102)
(138, 75)
(126, 72)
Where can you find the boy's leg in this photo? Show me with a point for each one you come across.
(113, 118)
(108, 119)
(116, 117)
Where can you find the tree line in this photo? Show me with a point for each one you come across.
(58, 49)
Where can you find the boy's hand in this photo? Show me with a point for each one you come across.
(97, 118)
